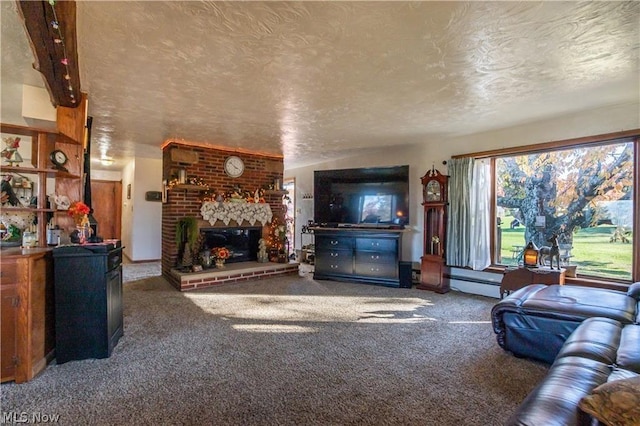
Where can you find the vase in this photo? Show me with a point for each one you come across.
(205, 258)
(83, 234)
(219, 263)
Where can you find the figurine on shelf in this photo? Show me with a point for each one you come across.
(10, 153)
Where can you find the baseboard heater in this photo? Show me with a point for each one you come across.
(474, 280)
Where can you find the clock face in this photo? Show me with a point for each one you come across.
(58, 158)
(234, 166)
(432, 191)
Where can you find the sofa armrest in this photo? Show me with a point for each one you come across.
(634, 291)
(511, 303)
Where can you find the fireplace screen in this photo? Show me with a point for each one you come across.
(242, 242)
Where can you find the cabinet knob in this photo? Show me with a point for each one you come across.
(375, 256)
(334, 254)
(334, 266)
(333, 242)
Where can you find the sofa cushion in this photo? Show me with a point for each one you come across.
(554, 401)
(628, 356)
(621, 373)
(579, 303)
(614, 403)
(595, 338)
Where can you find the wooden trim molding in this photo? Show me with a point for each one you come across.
(170, 141)
(546, 146)
(636, 213)
(50, 56)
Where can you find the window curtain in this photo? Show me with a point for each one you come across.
(468, 223)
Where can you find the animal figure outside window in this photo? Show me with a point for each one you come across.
(547, 252)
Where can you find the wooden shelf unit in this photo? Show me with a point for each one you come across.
(68, 183)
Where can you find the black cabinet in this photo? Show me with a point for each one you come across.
(88, 300)
(367, 256)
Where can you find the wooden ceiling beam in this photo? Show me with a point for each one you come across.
(50, 56)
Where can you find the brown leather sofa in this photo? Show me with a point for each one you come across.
(535, 321)
(591, 337)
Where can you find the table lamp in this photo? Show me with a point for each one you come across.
(530, 255)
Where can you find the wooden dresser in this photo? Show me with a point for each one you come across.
(516, 278)
(28, 318)
(360, 255)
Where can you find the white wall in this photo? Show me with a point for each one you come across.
(112, 175)
(421, 157)
(147, 215)
(141, 219)
(128, 176)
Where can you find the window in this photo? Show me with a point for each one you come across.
(582, 194)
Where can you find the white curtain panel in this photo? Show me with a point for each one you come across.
(468, 223)
(480, 216)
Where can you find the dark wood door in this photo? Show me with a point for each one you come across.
(106, 200)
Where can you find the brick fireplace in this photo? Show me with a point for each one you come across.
(261, 171)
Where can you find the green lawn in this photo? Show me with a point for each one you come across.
(592, 252)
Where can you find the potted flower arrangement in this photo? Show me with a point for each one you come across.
(220, 254)
(79, 211)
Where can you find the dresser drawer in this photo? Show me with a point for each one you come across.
(334, 262)
(377, 270)
(375, 257)
(376, 244)
(9, 272)
(329, 242)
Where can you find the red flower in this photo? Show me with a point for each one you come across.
(79, 211)
(220, 253)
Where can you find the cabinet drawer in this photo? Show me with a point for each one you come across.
(9, 272)
(329, 242)
(375, 257)
(376, 244)
(334, 262)
(378, 270)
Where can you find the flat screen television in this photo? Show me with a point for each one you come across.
(365, 197)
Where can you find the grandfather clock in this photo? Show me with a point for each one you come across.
(434, 201)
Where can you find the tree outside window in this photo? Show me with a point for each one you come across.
(583, 195)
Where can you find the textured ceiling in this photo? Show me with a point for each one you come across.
(319, 80)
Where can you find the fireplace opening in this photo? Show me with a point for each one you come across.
(242, 242)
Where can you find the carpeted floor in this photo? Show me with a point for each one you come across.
(289, 351)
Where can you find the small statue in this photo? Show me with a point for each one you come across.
(263, 257)
(550, 253)
(10, 153)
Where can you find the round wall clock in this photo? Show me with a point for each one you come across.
(59, 159)
(234, 166)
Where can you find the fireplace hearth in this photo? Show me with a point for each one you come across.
(242, 242)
